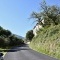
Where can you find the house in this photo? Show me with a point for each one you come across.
(37, 28)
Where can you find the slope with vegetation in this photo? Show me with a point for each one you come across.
(47, 40)
(7, 39)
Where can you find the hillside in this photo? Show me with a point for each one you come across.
(19, 36)
(47, 41)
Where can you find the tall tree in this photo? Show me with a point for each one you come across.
(50, 14)
(29, 35)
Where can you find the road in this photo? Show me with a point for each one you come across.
(25, 53)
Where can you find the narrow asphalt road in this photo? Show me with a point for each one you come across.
(25, 53)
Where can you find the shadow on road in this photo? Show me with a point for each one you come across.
(18, 48)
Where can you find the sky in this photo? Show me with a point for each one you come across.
(15, 14)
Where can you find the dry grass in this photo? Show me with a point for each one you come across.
(48, 41)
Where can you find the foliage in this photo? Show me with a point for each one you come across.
(8, 39)
(50, 14)
(2, 41)
(5, 33)
(15, 41)
(29, 35)
(48, 41)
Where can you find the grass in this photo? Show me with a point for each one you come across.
(47, 41)
(2, 51)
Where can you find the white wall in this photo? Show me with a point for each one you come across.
(37, 27)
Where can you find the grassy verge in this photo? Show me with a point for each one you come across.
(48, 41)
(5, 50)
(2, 51)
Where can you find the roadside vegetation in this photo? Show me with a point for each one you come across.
(8, 40)
(29, 35)
(47, 40)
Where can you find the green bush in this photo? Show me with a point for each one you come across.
(29, 35)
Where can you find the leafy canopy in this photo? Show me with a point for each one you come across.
(29, 35)
(50, 14)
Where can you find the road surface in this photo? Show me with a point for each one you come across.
(25, 53)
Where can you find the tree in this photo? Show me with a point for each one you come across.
(7, 33)
(29, 35)
(15, 40)
(1, 28)
(50, 14)
(8, 39)
(2, 42)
